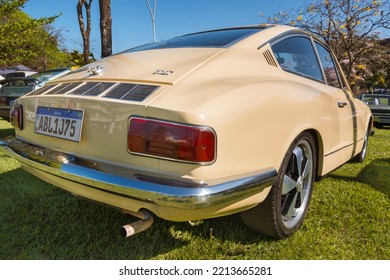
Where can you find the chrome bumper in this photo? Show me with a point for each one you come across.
(183, 195)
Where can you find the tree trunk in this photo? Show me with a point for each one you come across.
(105, 27)
(85, 31)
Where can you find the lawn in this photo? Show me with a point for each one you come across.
(349, 218)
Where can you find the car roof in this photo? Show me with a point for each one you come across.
(217, 38)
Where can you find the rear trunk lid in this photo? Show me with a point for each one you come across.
(101, 97)
(162, 66)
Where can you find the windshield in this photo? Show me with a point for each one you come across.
(209, 39)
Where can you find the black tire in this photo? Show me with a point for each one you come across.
(285, 207)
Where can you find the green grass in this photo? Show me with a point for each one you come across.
(349, 218)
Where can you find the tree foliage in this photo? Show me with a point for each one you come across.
(353, 29)
(28, 41)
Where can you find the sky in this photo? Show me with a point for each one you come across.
(131, 20)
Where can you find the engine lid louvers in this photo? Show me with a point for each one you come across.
(92, 89)
(42, 90)
(138, 92)
(120, 90)
(123, 91)
(64, 88)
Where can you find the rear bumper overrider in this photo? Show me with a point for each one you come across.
(145, 189)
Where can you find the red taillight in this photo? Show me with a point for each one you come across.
(16, 116)
(171, 140)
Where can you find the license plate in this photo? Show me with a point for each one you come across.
(61, 123)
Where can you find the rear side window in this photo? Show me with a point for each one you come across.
(328, 66)
(296, 54)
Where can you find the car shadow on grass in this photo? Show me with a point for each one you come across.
(6, 132)
(40, 222)
(376, 174)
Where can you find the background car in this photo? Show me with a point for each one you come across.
(236, 120)
(16, 71)
(15, 86)
(380, 108)
(9, 75)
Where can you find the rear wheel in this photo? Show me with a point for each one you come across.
(285, 207)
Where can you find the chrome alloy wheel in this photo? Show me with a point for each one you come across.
(297, 184)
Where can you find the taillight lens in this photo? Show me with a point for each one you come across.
(171, 140)
(16, 116)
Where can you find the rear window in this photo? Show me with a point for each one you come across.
(296, 54)
(210, 39)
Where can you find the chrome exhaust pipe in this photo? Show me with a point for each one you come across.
(138, 226)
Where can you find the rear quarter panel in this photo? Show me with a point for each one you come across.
(256, 111)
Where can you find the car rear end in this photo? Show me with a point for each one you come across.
(97, 133)
(107, 133)
(110, 152)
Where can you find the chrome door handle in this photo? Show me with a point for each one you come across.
(341, 104)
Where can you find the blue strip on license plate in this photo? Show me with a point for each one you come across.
(61, 123)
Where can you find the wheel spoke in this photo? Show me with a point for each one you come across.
(289, 206)
(307, 169)
(288, 185)
(299, 159)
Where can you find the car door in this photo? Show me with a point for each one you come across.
(343, 99)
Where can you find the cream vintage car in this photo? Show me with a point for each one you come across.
(198, 126)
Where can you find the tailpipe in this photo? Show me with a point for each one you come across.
(138, 226)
